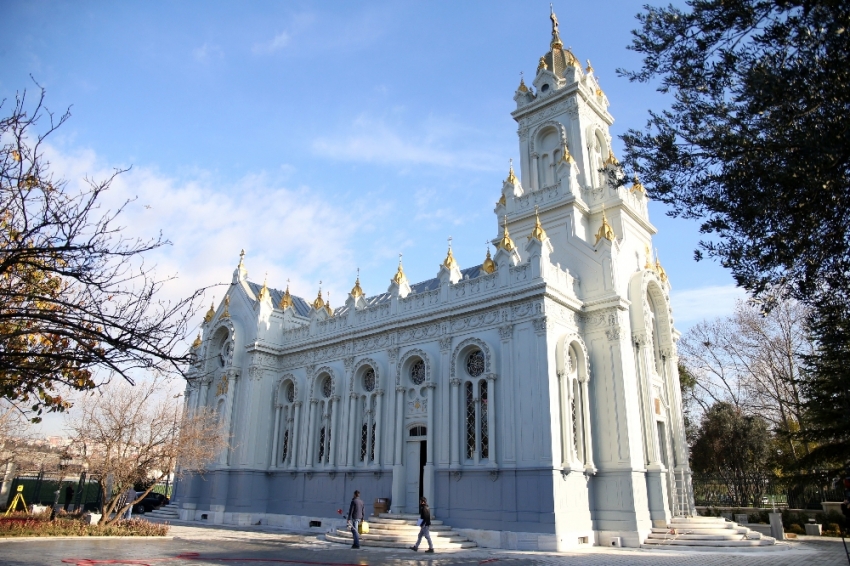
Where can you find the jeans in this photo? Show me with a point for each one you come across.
(355, 525)
(424, 531)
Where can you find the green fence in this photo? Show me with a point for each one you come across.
(766, 490)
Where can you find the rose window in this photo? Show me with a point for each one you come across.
(417, 372)
(369, 380)
(475, 363)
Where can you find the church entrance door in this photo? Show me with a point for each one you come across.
(414, 464)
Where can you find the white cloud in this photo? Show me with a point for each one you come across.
(691, 306)
(291, 232)
(206, 52)
(375, 141)
(277, 43)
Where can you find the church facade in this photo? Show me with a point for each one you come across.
(533, 399)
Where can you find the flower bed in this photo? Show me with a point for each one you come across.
(21, 525)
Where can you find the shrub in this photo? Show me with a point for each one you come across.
(832, 528)
(796, 529)
(759, 517)
(41, 526)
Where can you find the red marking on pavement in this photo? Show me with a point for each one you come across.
(196, 556)
(489, 560)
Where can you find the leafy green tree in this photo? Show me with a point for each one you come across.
(687, 386)
(756, 142)
(826, 385)
(730, 442)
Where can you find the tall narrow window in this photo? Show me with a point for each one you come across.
(364, 442)
(322, 445)
(485, 433)
(285, 450)
(575, 408)
(372, 432)
(470, 420)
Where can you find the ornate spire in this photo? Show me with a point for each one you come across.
(637, 187)
(538, 233)
(286, 299)
(319, 303)
(450, 261)
(197, 342)
(241, 260)
(661, 273)
(522, 87)
(610, 160)
(589, 68)
(489, 266)
(357, 291)
(226, 313)
(399, 277)
(556, 36)
(511, 177)
(502, 201)
(264, 292)
(605, 231)
(210, 313)
(506, 243)
(328, 308)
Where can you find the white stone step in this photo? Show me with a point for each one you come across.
(767, 541)
(446, 536)
(394, 519)
(706, 532)
(701, 531)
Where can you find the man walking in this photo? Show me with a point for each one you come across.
(355, 515)
(424, 526)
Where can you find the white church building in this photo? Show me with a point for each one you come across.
(533, 399)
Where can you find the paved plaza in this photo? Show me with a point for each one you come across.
(194, 546)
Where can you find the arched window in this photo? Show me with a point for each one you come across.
(367, 408)
(476, 407)
(575, 444)
(282, 454)
(368, 430)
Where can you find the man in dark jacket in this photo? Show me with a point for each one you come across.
(355, 515)
(425, 526)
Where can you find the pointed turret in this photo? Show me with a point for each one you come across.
(489, 266)
(605, 231)
(286, 299)
(210, 313)
(537, 233)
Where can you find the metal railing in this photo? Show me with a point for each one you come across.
(766, 490)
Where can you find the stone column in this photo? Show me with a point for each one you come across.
(455, 431)
(491, 419)
(443, 420)
(535, 173)
(335, 408)
(275, 436)
(428, 472)
(588, 435)
(506, 332)
(345, 417)
(311, 433)
(294, 444)
(398, 489)
(352, 428)
(377, 418)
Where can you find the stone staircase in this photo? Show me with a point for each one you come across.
(705, 532)
(166, 513)
(400, 531)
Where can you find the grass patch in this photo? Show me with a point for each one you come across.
(72, 525)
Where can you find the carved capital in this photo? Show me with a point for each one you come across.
(455, 382)
(613, 333)
(348, 362)
(400, 388)
(640, 338)
(445, 344)
(379, 392)
(491, 377)
(392, 353)
(314, 401)
(311, 369)
(336, 398)
(353, 395)
(506, 331)
(540, 324)
(297, 404)
(255, 373)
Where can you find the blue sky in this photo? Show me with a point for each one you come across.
(320, 137)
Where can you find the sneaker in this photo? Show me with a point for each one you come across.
(431, 550)
(413, 548)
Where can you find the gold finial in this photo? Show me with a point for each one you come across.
(286, 299)
(522, 87)
(589, 68)
(611, 160)
(319, 303)
(605, 231)
(489, 266)
(637, 186)
(264, 292)
(242, 258)
(556, 37)
(357, 291)
(661, 273)
(502, 201)
(328, 308)
(648, 257)
(450, 261)
(538, 233)
(197, 342)
(511, 176)
(210, 313)
(566, 156)
(226, 313)
(399, 277)
(542, 64)
(506, 243)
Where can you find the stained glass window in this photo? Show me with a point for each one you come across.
(372, 447)
(470, 421)
(285, 446)
(364, 442)
(485, 434)
(417, 372)
(369, 380)
(475, 363)
(322, 445)
(290, 392)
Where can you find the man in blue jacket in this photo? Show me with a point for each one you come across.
(355, 515)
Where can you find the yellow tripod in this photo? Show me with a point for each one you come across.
(18, 497)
